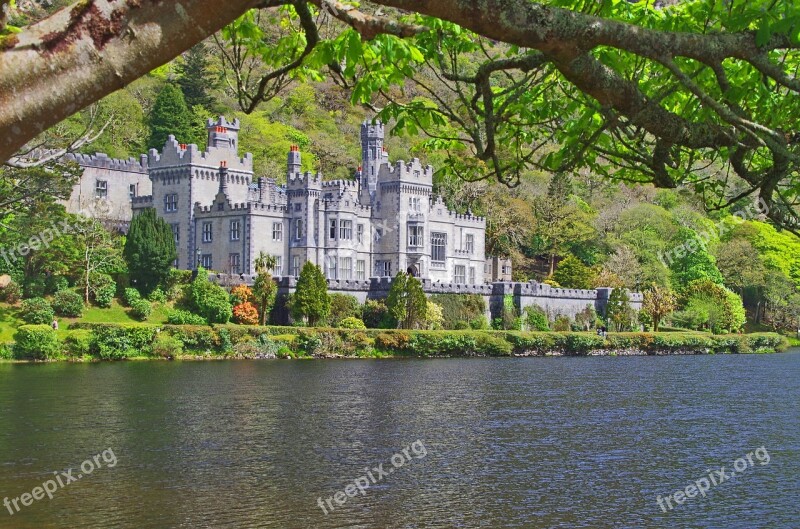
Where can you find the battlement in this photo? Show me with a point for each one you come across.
(305, 180)
(412, 172)
(143, 201)
(101, 160)
(175, 153)
(466, 218)
(222, 122)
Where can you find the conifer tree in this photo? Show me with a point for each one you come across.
(195, 77)
(311, 300)
(170, 115)
(149, 251)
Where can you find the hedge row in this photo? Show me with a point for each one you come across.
(108, 341)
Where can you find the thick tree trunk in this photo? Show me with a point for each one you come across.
(91, 49)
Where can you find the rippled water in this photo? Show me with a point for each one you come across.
(533, 442)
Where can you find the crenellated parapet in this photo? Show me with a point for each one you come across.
(101, 160)
(181, 154)
(307, 180)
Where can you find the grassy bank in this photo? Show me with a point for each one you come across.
(120, 341)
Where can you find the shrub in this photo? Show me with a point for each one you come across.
(536, 319)
(36, 342)
(433, 316)
(131, 296)
(104, 294)
(209, 300)
(225, 343)
(68, 304)
(241, 294)
(166, 346)
(157, 296)
(343, 306)
(6, 351)
(34, 287)
(375, 314)
(351, 323)
(562, 323)
(141, 310)
(184, 317)
(480, 323)
(11, 294)
(77, 344)
(37, 311)
(245, 313)
(55, 284)
(457, 308)
(115, 342)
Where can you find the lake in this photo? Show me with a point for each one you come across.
(463, 443)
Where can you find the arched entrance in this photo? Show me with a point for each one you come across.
(413, 271)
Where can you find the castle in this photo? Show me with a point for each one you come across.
(383, 221)
(360, 232)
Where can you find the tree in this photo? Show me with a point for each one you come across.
(619, 311)
(656, 91)
(406, 302)
(572, 273)
(208, 299)
(311, 301)
(170, 116)
(195, 79)
(658, 303)
(99, 255)
(149, 251)
(265, 289)
(722, 308)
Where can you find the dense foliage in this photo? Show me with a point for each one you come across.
(149, 250)
(311, 302)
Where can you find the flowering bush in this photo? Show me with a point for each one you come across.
(241, 294)
(245, 313)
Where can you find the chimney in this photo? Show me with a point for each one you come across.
(262, 189)
(293, 165)
(223, 177)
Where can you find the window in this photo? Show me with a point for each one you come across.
(331, 268)
(236, 226)
(278, 270)
(132, 191)
(205, 261)
(470, 243)
(383, 268)
(101, 189)
(361, 269)
(360, 233)
(414, 204)
(460, 274)
(176, 233)
(298, 207)
(346, 230)
(207, 231)
(438, 246)
(472, 275)
(171, 203)
(296, 265)
(378, 235)
(506, 269)
(332, 234)
(346, 268)
(298, 229)
(234, 263)
(415, 234)
(277, 231)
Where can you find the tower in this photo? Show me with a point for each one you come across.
(293, 163)
(223, 134)
(372, 157)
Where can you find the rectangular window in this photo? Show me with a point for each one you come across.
(176, 232)
(415, 236)
(298, 229)
(506, 270)
(472, 275)
(132, 191)
(236, 226)
(233, 263)
(346, 230)
(361, 269)
(207, 231)
(332, 234)
(101, 189)
(205, 261)
(460, 274)
(346, 268)
(277, 231)
(331, 268)
(383, 268)
(171, 203)
(470, 243)
(278, 270)
(360, 233)
(296, 266)
(298, 207)
(438, 246)
(414, 204)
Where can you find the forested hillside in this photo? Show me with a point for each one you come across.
(578, 227)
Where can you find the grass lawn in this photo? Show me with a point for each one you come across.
(9, 321)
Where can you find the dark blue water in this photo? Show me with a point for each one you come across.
(533, 442)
